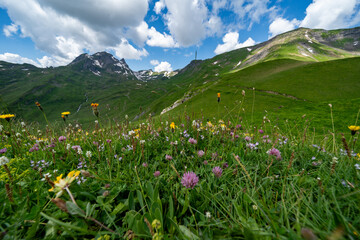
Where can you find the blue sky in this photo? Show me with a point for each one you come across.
(159, 34)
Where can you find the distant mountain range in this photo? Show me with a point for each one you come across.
(103, 78)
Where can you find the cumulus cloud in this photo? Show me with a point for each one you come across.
(126, 50)
(156, 39)
(281, 25)
(159, 6)
(15, 58)
(163, 67)
(39, 62)
(331, 14)
(151, 36)
(65, 30)
(154, 62)
(10, 30)
(252, 10)
(326, 14)
(186, 20)
(231, 42)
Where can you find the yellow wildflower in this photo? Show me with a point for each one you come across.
(62, 183)
(156, 224)
(65, 113)
(172, 125)
(354, 129)
(7, 116)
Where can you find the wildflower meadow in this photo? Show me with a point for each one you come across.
(177, 177)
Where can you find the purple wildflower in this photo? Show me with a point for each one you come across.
(3, 150)
(205, 162)
(108, 140)
(189, 180)
(192, 141)
(168, 157)
(217, 171)
(274, 152)
(225, 165)
(76, 147)
(261, 131)
(200, 153)
(62, 138)
(247, 138)
(238, 126)
(156, 173)
(145, 164)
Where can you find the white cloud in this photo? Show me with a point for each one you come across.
(156, 39)
(40, 62)
(159, 6)
(151, 36)
(186, 20)
(154, 62)
(251, 9)
(217, 5)
(281, 25)
(214, 25)
(231, 42)
(15, 58)
(65, 30)
(331, 14)
(9, 30)
(163, 66)
(126, 50)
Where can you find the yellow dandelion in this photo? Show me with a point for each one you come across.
(7, 116)
(65, 113)
(354, 129)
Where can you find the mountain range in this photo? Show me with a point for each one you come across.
(303, 68)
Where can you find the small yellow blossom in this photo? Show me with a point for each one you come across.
(156, 224)
(354, 129)
(61, 183)
(172, 126)
(7, 116)
(65, 113)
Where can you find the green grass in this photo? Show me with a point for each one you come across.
(116, 194)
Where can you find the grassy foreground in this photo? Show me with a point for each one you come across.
(178, 178)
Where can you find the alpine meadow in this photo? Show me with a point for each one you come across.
(258, 142)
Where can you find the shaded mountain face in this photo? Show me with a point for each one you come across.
(100, 63)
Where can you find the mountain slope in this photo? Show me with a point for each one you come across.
(282, 70)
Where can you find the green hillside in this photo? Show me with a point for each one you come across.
(284, 89)
(295, 73)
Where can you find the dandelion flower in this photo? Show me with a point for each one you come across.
(189, 180)
(65, 113)
(7, 116)
(354, 129)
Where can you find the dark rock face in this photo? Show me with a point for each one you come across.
(346, 39)
(102, 62)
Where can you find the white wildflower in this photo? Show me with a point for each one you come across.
(88, 154)
(3, 160)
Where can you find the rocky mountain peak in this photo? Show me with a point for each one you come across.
(102, 62)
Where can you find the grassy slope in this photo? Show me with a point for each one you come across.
(321, 83)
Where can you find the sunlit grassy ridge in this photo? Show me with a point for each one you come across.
(287, 182)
